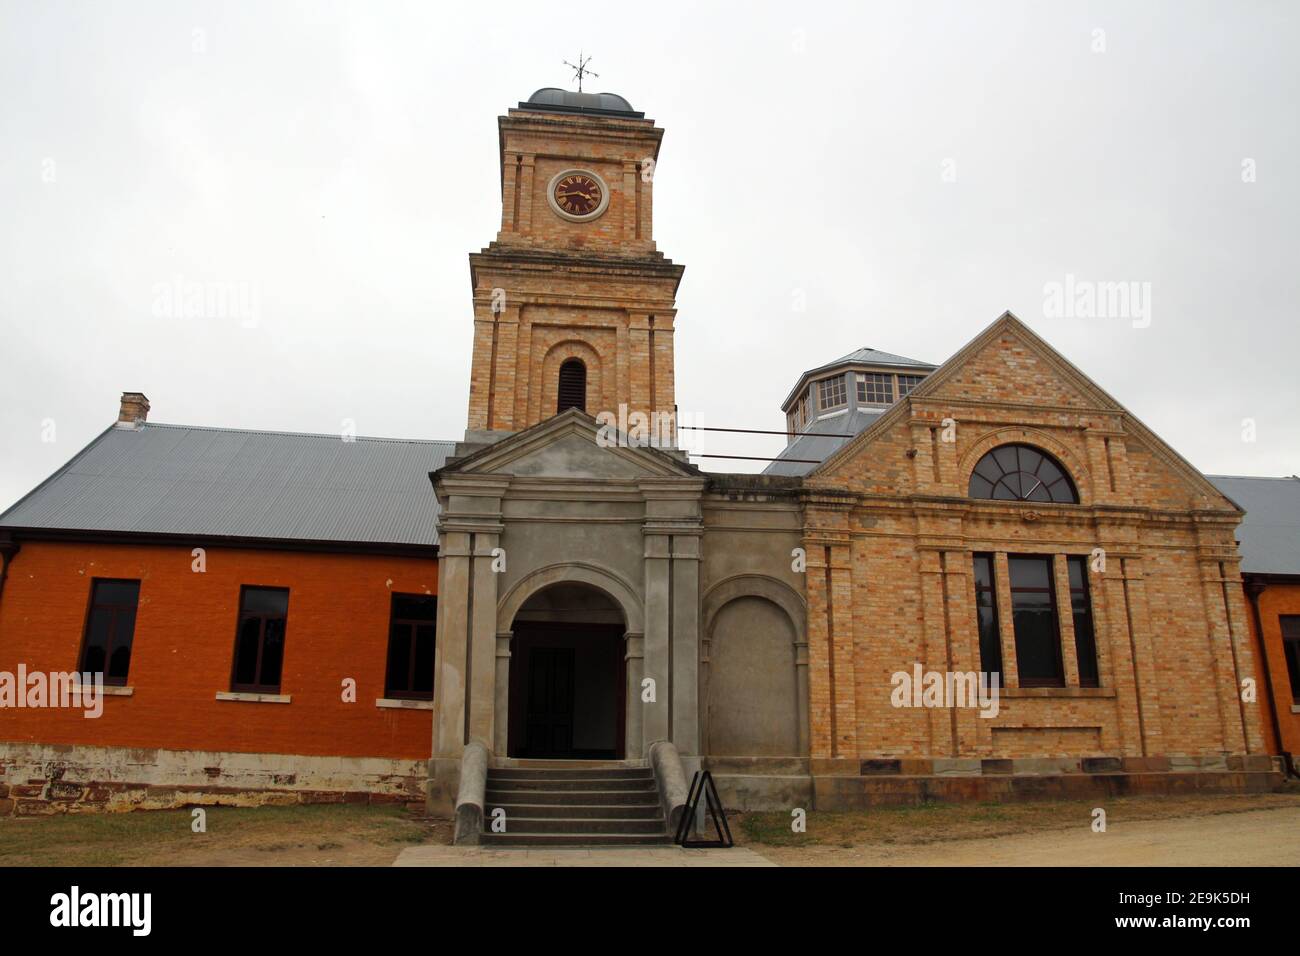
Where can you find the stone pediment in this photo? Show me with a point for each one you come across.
(571, 445)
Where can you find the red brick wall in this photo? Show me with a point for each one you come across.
(184, 641)
(1276, 600)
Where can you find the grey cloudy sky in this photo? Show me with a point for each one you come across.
(906, 171)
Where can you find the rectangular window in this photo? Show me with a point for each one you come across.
(808, 406)
(906, 383)
(875, 388)
(410, 647)
(259, 640)
(1085, 641)
(1033, 609)
(1291, 645)
(110, 628)
(986, 610)
(831, 392)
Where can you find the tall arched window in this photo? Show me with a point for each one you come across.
(1021, 473)
(573, 386)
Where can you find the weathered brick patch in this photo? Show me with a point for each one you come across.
(37, 780)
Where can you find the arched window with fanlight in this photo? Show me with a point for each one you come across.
(572, 392)
(1022, 473)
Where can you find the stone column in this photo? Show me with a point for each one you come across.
(802, 690)
(465, 666)
(501, 727)
(686, 640)
(671, 532)
(633, 731)
(655, 720)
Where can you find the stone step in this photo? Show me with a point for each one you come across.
(624, 811)
(538, 763)
(528, 773)
(576, 839)
(588, 797)
(579, 826)
(643, 784)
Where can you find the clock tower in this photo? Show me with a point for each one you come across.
(573, 304)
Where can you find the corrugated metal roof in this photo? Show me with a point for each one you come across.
(829, 433)
(1270, 532)
(871, 356)
(181, 479)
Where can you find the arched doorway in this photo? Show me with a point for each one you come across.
(567, 675)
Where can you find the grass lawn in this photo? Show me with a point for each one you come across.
(315, 835)
(937, 822)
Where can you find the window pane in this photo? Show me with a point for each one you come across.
(1030, 572)
(422, 679)
(987, 616)
(272, 653)
(117, 592)
(1085, 642)
(98, 628)
(399, 658)
(246, 651)
(1020, 473)
(1033, 612)
(415, 607)
(119, 661)
(268, 601)
(1290, 625)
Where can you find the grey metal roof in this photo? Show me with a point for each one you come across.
(553, 99)
(180, 479)
(824, 442)
(1270, 532)
(869, 356)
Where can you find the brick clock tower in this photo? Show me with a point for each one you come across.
(573, 305)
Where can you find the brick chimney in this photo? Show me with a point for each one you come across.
(135, 408)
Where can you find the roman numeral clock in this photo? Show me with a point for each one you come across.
(578, 195)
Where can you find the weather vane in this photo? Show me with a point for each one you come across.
(581, 69)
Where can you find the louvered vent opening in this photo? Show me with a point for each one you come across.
(573, 386)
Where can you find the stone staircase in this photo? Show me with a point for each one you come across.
(575, 803)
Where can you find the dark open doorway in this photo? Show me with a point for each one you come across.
(567, 678)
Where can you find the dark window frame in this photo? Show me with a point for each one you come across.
(567, 385)
(258, 688)
(907, 384)
(413, 625)
(875, 388)
(991, 591)
(836, 388)
(1085, 637)
(1058, 680)
(91, 606)
(1291, 650)
(1060, 489)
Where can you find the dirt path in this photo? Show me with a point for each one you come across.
(1254, 838)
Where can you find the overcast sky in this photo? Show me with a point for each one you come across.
(903, 172)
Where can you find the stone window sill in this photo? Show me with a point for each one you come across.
(1295, 708)
(111, 690)
(398, 703)
(1066, 692)
(255, 698)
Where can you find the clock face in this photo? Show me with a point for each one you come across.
(578, 195)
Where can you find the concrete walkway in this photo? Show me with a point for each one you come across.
(593, 856)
